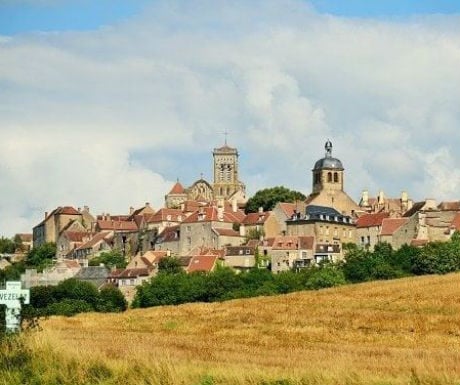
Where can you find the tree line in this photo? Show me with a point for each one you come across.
(172, 286)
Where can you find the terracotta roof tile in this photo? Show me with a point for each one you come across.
(117, 225)
(177, 189)
(288, 208)
(202, 263)
(287, 242)
(165, 214)
(371, 220)
(390, 225)
(256, 218)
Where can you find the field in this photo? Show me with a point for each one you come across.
(395, 332)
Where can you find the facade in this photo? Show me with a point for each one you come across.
(226, 184)
(49, 229)
(328, 185)
(368, 227)
(291, 252)
(325, 224)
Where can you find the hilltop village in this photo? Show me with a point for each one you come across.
(205, 225)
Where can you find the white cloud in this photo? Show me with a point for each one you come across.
(108, 118)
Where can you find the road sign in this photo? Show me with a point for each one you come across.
(12, 297)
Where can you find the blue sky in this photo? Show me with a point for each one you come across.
(19, 16)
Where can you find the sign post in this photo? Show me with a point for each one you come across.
(12, 297)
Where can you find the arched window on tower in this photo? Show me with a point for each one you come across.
(336, 177)
(329, 176)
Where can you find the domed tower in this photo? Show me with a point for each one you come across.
(328, 172)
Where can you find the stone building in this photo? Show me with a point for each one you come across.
(395, 207)
(53, 224)
(226, 184)
(325, 224)
(368, 228)
(328, 185)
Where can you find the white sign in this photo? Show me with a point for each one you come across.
(12, 297)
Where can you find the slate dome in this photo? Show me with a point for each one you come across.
(328, 161)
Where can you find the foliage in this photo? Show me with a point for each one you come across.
(12, 272)
(7, 246)
(269, 197)
(111, 299)
(72, 296)
(170, 265)
(41, 256)
(113, 258)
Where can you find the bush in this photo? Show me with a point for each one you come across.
(111, 299)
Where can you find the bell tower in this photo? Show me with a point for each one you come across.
(328, 172)
(226, 181)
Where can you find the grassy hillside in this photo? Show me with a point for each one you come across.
(396, 332)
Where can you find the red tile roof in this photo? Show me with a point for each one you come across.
(202, 263)
(371, 220)
(288, 208)
(287, 242)
(165, 214)
(25, 237)
(390, 225)
(101, 236)
(117, 225)
(456, 222)
(177, 189)
(76, 236)
(256, 218)
(227, 232)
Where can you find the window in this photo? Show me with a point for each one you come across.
(336, 177)
(248, 252)
(329, 176)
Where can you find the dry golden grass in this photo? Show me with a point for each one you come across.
(396, 332)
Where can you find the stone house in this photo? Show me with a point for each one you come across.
(97, 244)
(291, 252)
(262, 223)
(368, 227)
(49, 229)
(390, 232)
(210, 227)
(325, 224)
(281, 213)
(240, 258)
(169, 239)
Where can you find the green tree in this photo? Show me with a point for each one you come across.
(111, 299)
(41, 256)
(170, 265)
(113, 258)
(269, 197)
(7, 246)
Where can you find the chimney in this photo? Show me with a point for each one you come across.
(381, 198)
(86, 208)
(404, 197)
(79, 209)
(261, 210)
(131, 210)
(365, 198)
(220, 213)
(147, 204)
(46, 214)
(234, 205)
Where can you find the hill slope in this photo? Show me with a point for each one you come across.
(394, 332)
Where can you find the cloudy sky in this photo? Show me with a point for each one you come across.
(105, 103)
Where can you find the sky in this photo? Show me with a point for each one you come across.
(106, 103)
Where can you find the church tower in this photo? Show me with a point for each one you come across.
(328, 172)
(226, 182)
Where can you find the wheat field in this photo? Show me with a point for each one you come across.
(404, 331)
